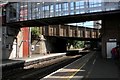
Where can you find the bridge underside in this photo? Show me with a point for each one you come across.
(67, 19)
(77, 38)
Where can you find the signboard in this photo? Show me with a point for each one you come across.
(112, 39)
(32, 47)
(110, 45)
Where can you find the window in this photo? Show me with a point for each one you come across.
(42, 12)
(72, 6)
(65, 6)
(51, 8)
(34, 10)
(3, 12)
(13, 10)
(95, 3)
(65, 9)
(51, 11)
(38, 10)
(58, 10)
(79, 5)
(23, 11)
(46, 9)
(56, 7)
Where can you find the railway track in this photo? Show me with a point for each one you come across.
(39, 71)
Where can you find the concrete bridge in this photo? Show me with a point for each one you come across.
(69, 31)
(51, 13)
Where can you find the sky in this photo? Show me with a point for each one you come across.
(89, 24)
(86, 24)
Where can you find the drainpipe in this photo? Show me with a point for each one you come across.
(30, 53)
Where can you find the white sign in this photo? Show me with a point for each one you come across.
(112, 39)
(32, 47)
(110, 45)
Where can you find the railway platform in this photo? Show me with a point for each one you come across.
(30, 62)
(90, 67)
(12, 64)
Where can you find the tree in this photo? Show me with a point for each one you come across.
(35, 33)
(76, 44)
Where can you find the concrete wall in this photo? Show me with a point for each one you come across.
(7, 41)
(8, 37)
(110, 30)
(20, 44)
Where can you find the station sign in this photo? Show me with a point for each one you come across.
(112, 39)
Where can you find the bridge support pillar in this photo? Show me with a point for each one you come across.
(0, 42)
(25, 41)
(110, 33)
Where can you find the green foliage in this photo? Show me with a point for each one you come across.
(35, 32)
(76, 44)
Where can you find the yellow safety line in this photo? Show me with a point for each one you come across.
(76, 71)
